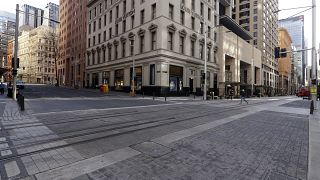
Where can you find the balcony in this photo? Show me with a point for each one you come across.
(226, 3)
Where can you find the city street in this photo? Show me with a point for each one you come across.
(84, 135)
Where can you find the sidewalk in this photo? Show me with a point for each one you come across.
(314, 144)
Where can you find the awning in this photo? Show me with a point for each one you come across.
(233, 26)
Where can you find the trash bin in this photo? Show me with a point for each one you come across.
(105, 88)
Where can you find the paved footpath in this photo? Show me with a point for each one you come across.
(268, 141)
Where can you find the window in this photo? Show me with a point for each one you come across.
(105, 4)
(105, 20)
(153, 11)
(142, 16)
(192, 4)
(110, 16)
(117, 12)
(152, 74)
(100, 8)
(94, 26)
(201, 9)
(192, 23)
(141, 44)
(124, 49)
(99, 23)
(124, 23)
(255, 18)
(170, 41)
(104, 36)
(209, 14)
(94, 40)
(201, 51)
(110, 33)
(153, 40)
(171, 11)
(208, 54)
(181, 45)
(90, 15)
(99, 38)
(182, 17)
(117, 29)
(109, 53)
(115, 51)
(255, 26)
(89, 41)
(192, 48)
(255, 34)
(131, 47)
(89, 29)
(132, 4)
(201, 27)
(124, 6)
(132, 22)
(209, 31)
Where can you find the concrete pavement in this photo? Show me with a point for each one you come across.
(180, 139)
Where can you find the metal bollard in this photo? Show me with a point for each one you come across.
(165, 96)
(311, 107)
(153, 96)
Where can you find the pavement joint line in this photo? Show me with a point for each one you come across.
(314, 146)
(81, 167)
(108, 109)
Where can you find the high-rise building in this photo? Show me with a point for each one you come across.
(51, 15)
(7, 29)
(72, 42)
(30, 16)
(285, 63)
(295, 27)
(258, 17)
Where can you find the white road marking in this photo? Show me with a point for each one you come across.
(88, 165)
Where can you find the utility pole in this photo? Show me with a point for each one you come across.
(14, 89)
(314, 55)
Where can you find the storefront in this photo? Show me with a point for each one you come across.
(175, 79)
(119, 79)
(137, 79)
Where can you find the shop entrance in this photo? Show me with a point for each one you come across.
(118, 82)
(175, 79)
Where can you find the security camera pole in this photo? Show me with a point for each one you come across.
(14, 88)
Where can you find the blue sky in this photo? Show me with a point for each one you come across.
(9, 5)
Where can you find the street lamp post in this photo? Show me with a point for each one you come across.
(14, 89)
(314, 53)
(205, 64)
(133, 71)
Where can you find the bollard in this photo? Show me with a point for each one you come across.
(153, 96)
(311, 107)
(165, 96)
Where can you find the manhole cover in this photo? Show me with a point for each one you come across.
(152, 149)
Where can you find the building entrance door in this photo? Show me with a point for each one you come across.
(191, 85)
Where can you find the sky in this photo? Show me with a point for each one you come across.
(286, 4)
(9, 5)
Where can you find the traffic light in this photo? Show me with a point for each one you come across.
(18, 63)
(283, 53)
(277, 52)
